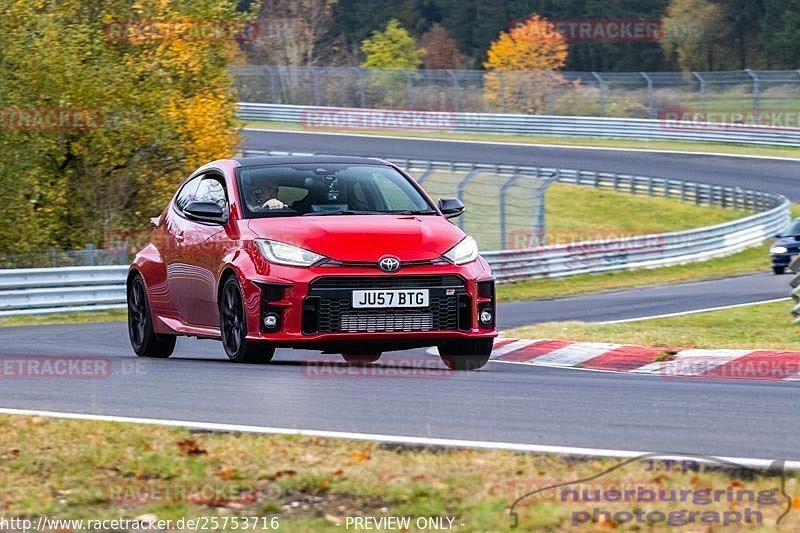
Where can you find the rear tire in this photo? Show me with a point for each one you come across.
(144, 340)
(361, 357)
(779, 270)
(233, 328)
(466, 355)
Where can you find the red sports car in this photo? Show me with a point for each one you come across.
(340, 254)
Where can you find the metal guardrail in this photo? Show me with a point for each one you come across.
(547, 125)
(52, 290)
(794, 266)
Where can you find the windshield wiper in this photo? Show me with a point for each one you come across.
(341, 212)
(413, 212)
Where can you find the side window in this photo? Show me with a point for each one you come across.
(211, 190)
(186, 194)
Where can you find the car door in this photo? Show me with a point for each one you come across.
(172, 231)
(204, 246)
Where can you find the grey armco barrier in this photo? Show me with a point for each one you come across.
(547, 125)
(55, 290)
(795, 284)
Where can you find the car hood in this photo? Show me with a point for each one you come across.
(790, 241)
(363, 238)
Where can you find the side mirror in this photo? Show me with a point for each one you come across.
(205, 212)
(451, 207)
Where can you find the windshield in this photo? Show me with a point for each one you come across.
(792, 230)
(328, 189)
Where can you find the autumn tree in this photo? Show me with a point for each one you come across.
(387, 52)
(163, 101)
(522, 64)
(441, 50)
(391, 48)
(693, 33)
(290, 32)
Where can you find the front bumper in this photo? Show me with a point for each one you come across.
(782, 260)
(311, 307)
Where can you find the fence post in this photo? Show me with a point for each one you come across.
(502, 91)
(702, 94)
(315, 86)
(460, 191)
(602, 93)
(89, 254)
(650, 110)
(362, 87)
(754, 77)
(503, 191)
(273, 85)
(456, 89)
(409, 89)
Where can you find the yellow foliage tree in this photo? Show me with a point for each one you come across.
(164, 99)
(522, 64)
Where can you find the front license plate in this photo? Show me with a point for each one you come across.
(390, 298)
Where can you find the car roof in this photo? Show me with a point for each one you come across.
(258, 161)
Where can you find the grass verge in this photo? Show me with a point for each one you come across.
(722, 148)
(764, 326)
(112, 315)
(71, 469)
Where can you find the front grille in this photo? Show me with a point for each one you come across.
(328, 308)
(406, 321)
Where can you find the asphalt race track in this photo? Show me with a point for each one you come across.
(647, 301)
(502, 402)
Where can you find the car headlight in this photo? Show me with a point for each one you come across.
(463, 252)
(778, 250)
(287, 254)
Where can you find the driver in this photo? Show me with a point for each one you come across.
(269, 200)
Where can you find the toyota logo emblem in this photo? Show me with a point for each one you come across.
(389, 264)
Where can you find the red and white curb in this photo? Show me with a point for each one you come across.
(769, 365)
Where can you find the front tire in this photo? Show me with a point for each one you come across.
(233, 328)
(144, 340)
(466, 355)
(779, 270)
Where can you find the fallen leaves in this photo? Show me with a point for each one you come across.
(190, 447)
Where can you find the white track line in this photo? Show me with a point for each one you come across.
(536, 145)
(692, 312)
(397, 439)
